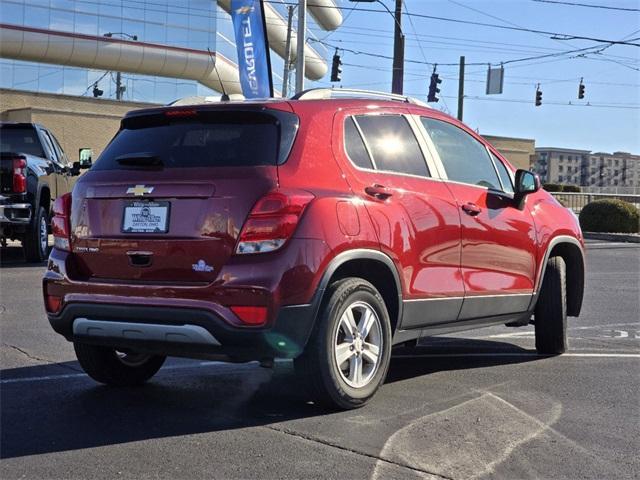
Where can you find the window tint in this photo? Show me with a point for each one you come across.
(354, 145)
(393, 145)
(20, 140)
(505, 178)
(464, 158)
(211, 139)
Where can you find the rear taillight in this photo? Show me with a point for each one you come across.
(61, 223)
(52, 303)
(254, 316)
(272, 221)
(19, 175)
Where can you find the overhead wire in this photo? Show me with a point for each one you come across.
(588, 5)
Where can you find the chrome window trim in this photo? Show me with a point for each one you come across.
(344, 143)
(510, 174)
(427, 154)
(495, 167)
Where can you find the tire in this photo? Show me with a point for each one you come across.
(551, 310)
(36, 240)
(108, 366)
(340, 386)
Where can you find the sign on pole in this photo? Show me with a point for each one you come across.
(495, 80)
(252, 44)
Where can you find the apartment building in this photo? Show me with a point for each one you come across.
(588, 169)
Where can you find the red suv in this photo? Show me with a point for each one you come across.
(321, 229)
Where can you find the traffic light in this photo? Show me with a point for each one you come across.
(96, 91)
(336, 68)
(538, 96)
(581, 90)
(433, 88)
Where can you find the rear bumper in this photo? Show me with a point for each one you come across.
(170, 314)
(15, 213)
(184, 332)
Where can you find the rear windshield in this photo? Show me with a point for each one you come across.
(202, 139)
(20, 140)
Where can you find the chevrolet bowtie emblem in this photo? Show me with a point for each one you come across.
(139, 190)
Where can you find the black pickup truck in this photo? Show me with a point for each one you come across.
(34, 171)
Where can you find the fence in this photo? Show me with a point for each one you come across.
(576, 201)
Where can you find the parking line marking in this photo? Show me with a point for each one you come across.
(520, 354)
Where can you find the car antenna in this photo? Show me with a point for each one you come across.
(225, 97)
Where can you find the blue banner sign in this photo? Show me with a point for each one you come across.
(253, 48)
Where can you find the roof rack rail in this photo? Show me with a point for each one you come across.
(327, 93)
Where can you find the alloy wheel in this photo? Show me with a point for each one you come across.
(358, 344)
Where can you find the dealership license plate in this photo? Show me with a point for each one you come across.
(146, 217)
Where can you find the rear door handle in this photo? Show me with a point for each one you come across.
(378, 191)
(471, 208)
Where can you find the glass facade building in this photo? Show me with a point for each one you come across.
(194, 24)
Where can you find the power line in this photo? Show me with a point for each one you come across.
(575, 4)
(555, 103)
(580, 51)
(555, 35)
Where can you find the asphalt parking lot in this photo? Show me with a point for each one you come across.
(479, 404)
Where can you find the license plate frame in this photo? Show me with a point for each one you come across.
(157, 221)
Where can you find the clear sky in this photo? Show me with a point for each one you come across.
(611, 78)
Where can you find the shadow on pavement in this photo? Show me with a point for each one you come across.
(13, 257)
(72, 412)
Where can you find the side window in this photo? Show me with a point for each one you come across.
(392, 144)
(464, 158)
(505, 177)
(48, 146)
(61, 156)
(354, 145)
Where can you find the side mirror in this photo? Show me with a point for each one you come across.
(85, 155)
(75, 169)
(526, 182)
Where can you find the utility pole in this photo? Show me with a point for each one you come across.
(461, 89)
(302, 40)
(397, 81)
(287, 55)
(119, 88)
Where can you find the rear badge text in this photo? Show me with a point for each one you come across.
(201, 266)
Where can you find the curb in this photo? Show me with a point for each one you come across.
(613, 237)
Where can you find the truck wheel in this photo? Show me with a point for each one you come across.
(36, 239)
(551, 310)
(112, 367)
(347, 357)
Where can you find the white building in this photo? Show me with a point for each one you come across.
(588, 169)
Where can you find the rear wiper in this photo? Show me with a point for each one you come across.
(140, 159)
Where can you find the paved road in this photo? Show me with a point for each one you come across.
(474, 405)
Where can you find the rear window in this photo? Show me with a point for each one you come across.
(204, 139)
(20, 140)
